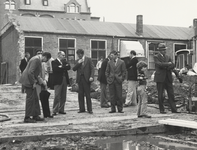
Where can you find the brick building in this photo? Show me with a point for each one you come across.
(53, 28)
(96, 38)
(66, 9)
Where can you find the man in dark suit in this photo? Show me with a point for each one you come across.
(29, 79)
(163, 78)
(115, 73)
(23, 65)
(60, 82)
(85, 75)
(131, 98)
(103, 84)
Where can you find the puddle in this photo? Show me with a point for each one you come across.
(141, 143)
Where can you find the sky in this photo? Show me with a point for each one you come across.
(178, 13)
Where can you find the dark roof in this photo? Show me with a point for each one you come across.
(57, 25)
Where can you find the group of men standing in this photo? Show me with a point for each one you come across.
(112, 73)
(32, 79)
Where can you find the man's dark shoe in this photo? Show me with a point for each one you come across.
(176, 112)
(81, 111)
(125, 105)
(54, 114)
(37, 118)
(63, 113)
(105, 106)
(29, 120)
(162, 112)
(51, 116)
(112, 111)
(121, 111)
(90, 112)
(146, 116)
(140, 116)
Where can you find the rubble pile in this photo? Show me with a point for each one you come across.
(181, 92)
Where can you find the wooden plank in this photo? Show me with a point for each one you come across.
(179, 123)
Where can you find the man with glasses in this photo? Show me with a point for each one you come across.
(60, 82)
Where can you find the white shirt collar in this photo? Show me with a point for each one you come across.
(59, 60)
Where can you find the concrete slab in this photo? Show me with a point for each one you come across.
(179, 123)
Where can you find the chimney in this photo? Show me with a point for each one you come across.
(195, 26)
(139, 25)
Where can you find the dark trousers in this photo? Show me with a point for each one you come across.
(22, 89)
(60, 96)
(44, 98)
(50, 81)
(103, 100)
(84, 88)
(169, 88)
(32, 106)
(115, 90)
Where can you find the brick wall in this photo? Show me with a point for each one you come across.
(50, 44)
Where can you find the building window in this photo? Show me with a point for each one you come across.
(182, 58)
(68, 46)
(98, 49)
(27, 2)
(32, 44)
(73, 8)
(10, 5)
(45, 2)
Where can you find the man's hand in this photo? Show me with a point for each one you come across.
(34, 85)
(80, 61)
(91, 79)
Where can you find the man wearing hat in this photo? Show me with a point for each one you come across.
(163, 77)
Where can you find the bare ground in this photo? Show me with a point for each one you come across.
(12, 104)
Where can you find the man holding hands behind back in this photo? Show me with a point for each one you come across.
(60, 82)
(85, 75)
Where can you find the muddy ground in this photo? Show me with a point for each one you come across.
(12, 103)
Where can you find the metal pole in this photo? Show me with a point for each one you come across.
(9, 5)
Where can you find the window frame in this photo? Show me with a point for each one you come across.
(68, 48)
(154, 52)
(43, 2)
(105, 50)
(75, 7)
(175, 57)
(27, 2)
(9, 5)
(39, 37)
